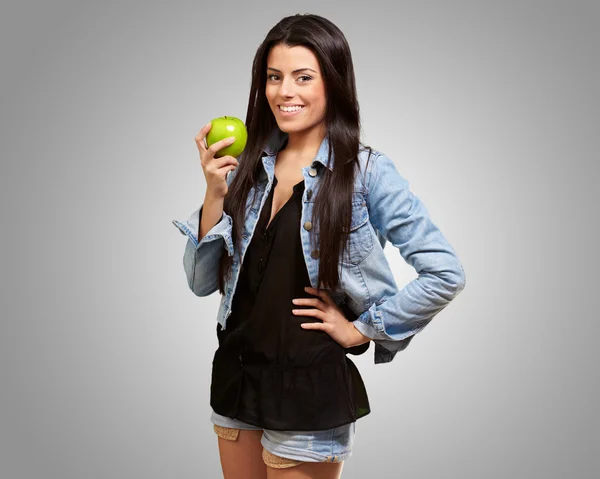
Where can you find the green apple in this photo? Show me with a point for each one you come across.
(224, 127)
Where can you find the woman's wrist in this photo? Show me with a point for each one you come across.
(358, 338)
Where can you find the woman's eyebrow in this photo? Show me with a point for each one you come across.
(295, 71)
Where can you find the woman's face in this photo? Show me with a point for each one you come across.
(287, 86)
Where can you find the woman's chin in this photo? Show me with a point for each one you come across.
(286, 127)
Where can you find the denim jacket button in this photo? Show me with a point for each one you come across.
(314, 254)
(312, 172)
(307, 226)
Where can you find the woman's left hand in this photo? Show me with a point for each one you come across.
(333, 320)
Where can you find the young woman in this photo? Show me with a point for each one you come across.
(293, 240)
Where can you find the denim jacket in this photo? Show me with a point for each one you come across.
(383, 209)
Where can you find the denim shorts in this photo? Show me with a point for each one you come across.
(331, 445)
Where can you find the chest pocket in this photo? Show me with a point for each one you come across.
(360, 238)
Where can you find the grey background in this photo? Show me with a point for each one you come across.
(490, 110)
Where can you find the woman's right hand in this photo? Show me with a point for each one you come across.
(215, 169)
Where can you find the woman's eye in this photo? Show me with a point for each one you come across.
(307, 78)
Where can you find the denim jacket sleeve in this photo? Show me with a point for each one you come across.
(201, 258)
(401, 218)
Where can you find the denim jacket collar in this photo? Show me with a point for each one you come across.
(278, 138)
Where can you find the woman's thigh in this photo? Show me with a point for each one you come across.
(240, 449)
(308, 470)
(242, 457)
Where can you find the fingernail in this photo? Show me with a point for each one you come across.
(294, 301)
(232, 139)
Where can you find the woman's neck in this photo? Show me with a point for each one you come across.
(304, 144)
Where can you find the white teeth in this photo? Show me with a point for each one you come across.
(290, 108)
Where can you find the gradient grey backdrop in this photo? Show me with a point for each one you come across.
(490, 110)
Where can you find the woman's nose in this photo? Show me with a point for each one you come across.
(287, 88)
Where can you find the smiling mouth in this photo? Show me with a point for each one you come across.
(295, 111)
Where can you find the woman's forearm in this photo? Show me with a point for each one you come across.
(212, 211)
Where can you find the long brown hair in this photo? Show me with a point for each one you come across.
(333, 202)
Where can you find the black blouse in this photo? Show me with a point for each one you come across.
(268, 371)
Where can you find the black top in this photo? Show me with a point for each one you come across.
(268, 371)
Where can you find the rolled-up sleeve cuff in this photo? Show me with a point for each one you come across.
(370, 324)
(222, 229)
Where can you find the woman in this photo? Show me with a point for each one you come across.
(306, 204)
